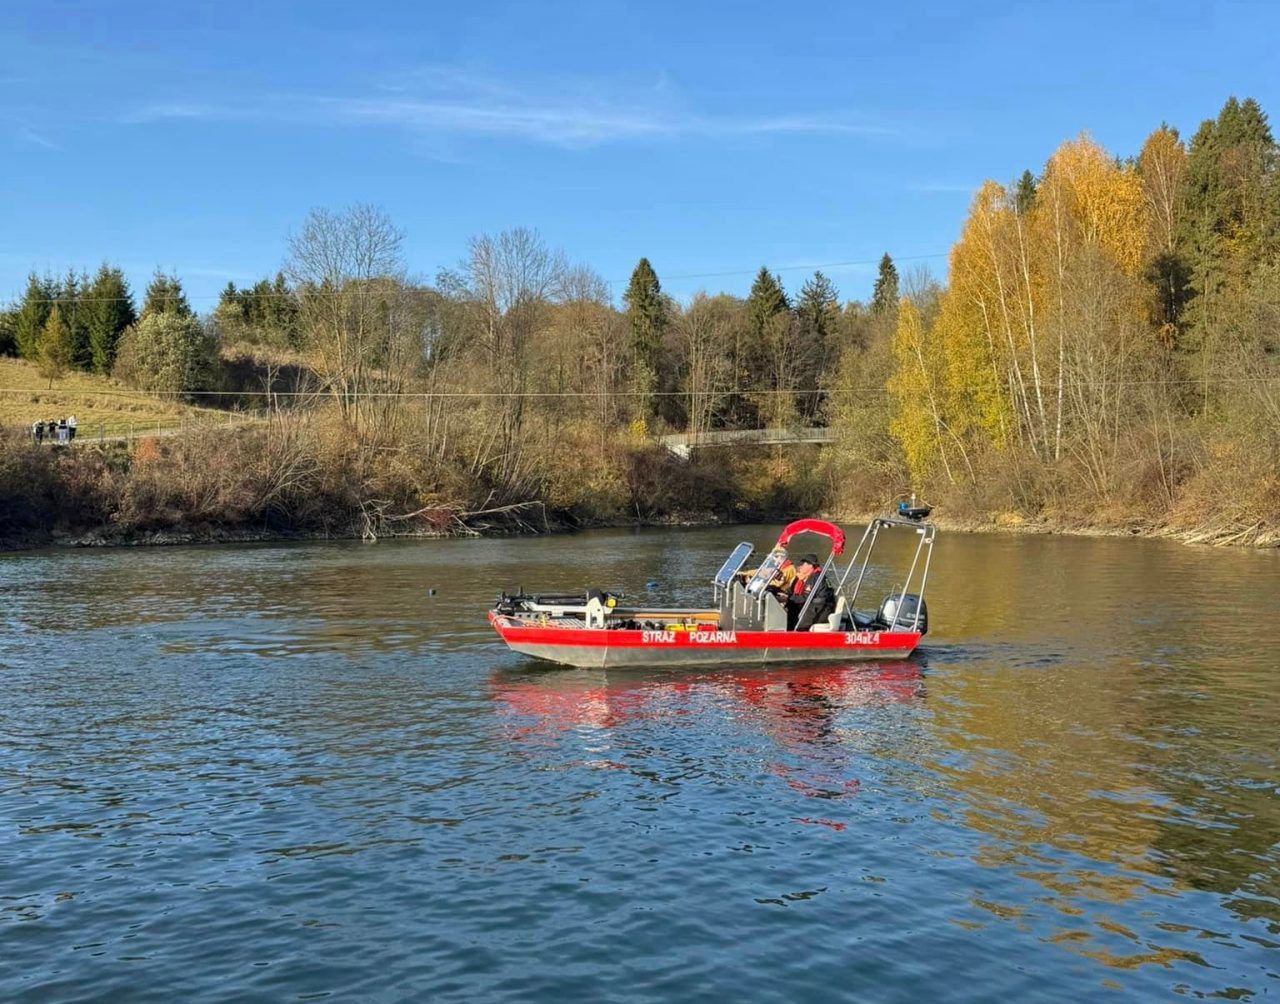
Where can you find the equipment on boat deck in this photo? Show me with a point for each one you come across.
(747, 621)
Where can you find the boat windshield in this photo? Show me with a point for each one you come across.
(767, 571)
(732, 563)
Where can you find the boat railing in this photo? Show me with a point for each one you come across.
(924, 549)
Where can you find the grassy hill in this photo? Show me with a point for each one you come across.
(101, 406)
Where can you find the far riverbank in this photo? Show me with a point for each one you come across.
(294, 479)
(1003, 523)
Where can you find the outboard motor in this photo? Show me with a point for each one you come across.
(906, 614)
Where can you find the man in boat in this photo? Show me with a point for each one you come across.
(781, 583)
(809, 580)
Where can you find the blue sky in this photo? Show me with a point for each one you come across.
(711, 137)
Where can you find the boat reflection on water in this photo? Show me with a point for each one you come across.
(811, 730)
(795, 705)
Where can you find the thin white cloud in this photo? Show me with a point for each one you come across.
(560, 125)
(457, 104)
(164, 110)
(36, 139)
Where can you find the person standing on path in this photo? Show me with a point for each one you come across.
(37, 432)
(71, 428)
(62, 430)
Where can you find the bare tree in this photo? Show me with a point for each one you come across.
(600, 338)
(355, 306)
(704, 336)
(509, 280)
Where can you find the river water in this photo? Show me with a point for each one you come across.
(290, 772)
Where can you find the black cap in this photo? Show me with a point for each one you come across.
(811, 558)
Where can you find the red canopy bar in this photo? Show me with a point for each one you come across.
(818, 526)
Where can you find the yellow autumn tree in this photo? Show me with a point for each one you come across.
(1163, 168)
(975, 331)
(1040, 294)
(988, 328)
(1091, 225)
(915, 390)
(1095, 201)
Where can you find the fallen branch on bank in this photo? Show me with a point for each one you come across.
(510, 510)
(448, 519)
(1227, 533)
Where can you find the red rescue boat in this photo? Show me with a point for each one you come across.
(756, 617)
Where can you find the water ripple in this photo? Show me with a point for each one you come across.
(290, 773)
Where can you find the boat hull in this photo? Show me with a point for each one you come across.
(601, 649)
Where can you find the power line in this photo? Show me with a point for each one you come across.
(396, 393)
(422, 395)
(793, 268)
(291, 294)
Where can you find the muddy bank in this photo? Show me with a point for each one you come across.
(1016, 524)
(180, 536)
(999, 523)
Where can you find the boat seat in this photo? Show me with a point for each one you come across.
(836, 622)
(775, 614)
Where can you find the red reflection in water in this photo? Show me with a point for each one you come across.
(798, 709)
(793, 705)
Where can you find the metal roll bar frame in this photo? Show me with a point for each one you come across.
(927, 532)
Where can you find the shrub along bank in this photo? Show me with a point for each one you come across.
(303, 476)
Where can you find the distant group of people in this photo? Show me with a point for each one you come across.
(55, 430)
(793, 583)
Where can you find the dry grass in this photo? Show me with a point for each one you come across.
(100, 405)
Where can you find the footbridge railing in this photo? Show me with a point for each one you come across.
(682, 443)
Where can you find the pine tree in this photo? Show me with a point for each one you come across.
(8, 328)
(646, 309)
(766, 300)
(281, 311)
(265, 313)
(1230, 226)
(818, 308)
(55, 346)
(752, 363)
(165, 296)
(32, 312)
(884, 297)
(818, 316)
(769, 353)
(108, 308)
(1024, 195)
(647, 317)
(70, 305)
(1233, 193)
